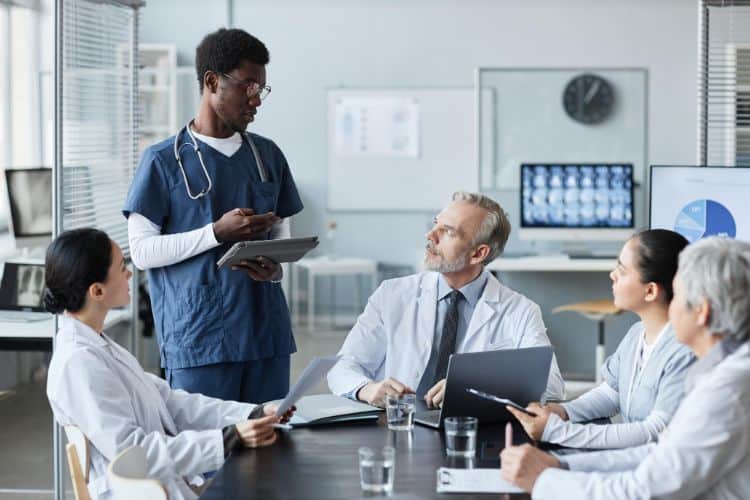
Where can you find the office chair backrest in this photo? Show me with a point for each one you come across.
(76, 437)
(78, 461)
(80, 490)
(128, 477)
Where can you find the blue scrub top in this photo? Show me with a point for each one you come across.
(203, 314)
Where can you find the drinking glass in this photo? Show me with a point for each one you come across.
(376, 469)
(400, 411)
(460, 436)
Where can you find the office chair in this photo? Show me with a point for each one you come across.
(127, 475)
(78, 461)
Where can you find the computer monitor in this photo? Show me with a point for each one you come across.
(30, 201)
(700, 201)
(576, 202)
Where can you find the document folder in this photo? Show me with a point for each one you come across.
(321, 409)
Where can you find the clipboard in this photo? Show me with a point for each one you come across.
(282, 250)
(473, 481)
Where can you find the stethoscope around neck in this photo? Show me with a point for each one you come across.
(194, 144)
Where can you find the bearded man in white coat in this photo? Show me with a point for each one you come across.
(411, 325)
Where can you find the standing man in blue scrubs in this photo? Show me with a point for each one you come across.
(222, 332)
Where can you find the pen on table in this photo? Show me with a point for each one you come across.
(508, 435)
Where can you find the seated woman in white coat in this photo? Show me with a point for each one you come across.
(98, 386)
(644, 378)
(705, 451)
(411, 325)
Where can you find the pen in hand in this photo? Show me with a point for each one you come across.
(508, 435)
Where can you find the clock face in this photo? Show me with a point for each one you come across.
(588, 99)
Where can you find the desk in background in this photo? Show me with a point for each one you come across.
(322, 463)
(37, 335)
(327, 266)
(551, 263)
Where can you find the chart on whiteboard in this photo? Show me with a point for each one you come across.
(377, 126)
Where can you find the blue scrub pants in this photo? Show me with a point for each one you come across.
(255, 381)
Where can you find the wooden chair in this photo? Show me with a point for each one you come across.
(78, 461)
(595, 310)
(128, 478)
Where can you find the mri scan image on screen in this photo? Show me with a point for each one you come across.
(584, 196)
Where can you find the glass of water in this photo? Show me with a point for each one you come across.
(400, 411)
(376, 469)
(460, 436)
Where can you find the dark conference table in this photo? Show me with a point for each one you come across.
(323, 463)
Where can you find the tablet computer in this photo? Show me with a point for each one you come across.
(282, 250)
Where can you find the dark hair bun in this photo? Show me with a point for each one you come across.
(74, 261)
(52, 303)
(659, 255)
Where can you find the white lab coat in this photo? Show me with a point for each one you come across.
(95, 384)
(704, 452)
(393, 336)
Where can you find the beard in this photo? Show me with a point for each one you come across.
(442, 265)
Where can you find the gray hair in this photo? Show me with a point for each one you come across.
(495, 227)
(717, 270)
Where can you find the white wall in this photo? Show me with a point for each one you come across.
(319, 44)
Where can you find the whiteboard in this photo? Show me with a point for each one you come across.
(442, 161)
(531, 124)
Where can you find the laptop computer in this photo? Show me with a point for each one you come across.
(21, 292)
(516, 374)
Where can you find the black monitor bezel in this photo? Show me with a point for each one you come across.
(577, 228)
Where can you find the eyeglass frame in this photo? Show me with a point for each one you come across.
(257, 91)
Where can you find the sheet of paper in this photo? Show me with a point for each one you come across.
(315, 371)
(377, 126)
(473, 481)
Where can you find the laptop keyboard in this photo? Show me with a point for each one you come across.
(429, 417)
(23, 316)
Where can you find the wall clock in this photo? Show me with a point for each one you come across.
(588, 99)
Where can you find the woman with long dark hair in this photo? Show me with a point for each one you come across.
(99, 387)
(644, 378)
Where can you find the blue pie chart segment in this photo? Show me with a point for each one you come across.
(702, 218)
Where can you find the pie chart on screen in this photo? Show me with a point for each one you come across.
(702, 218)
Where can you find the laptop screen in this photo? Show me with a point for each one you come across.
(22, 287)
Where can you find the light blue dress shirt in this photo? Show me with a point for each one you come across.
(471, 293)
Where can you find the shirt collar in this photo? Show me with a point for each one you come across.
(471, 291)
(82, 331)
(708, 362)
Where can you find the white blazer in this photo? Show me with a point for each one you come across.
(393, 336)
(97, 385)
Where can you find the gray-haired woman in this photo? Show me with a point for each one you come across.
(705, 451)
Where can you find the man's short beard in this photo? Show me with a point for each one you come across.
(444, 266)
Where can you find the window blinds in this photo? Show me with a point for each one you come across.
(98, 118)
(724, 82)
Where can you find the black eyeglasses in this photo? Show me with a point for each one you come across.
(252, 88)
